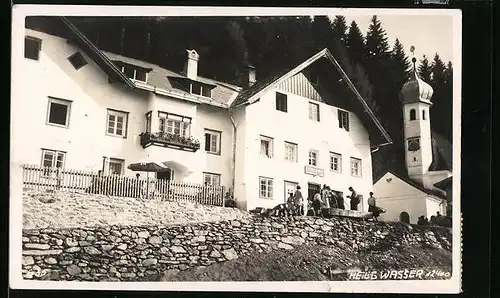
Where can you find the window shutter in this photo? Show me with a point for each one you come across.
(339, 115)
(347, 121)
(207, 142)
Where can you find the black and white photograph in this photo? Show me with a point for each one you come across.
(226, 148)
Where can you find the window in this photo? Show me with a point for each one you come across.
(134, 73)
(355, 167)
(175, 124)
(413, 114)
(291, 152)
(32, 47)
(314, 111)
(148, 122)
(58, 112)
(77, 60)
(117, 123)
(266, 146)
(335, 162)
(198, 89)
(281, 102)
(265, 188)
(116, 166)
(53, 158)
(211, 179)
(212, 141)
(343, 119)
(313, 157)
(423, 114)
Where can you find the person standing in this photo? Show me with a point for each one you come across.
(354, 199)
(298, 200)
(340, 201)
(332, 198)
(316, 204)
(372, 207)
(325, 196)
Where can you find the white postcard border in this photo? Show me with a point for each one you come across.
(452, 285)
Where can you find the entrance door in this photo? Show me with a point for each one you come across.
(290, 188)
(312, 189)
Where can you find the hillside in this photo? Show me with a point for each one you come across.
(98, 238)
(317, 263)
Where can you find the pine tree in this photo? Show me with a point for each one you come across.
(401, 64)
(322, 34)
(238, 53)
(339, 29)
(380, 72)
(438, 69)
(448, 73)
(355, 44)
(377, 45)
(424, 69)
(441, 112)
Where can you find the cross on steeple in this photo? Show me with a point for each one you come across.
(413, 59)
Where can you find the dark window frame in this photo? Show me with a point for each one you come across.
(58, 101)
(212, 132)
(316, 106)
(125, 120)
(413, 114)
(77, 60)
(281, 102)
(343, 119)
(37, 50)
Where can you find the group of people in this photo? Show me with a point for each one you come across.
(321, 202)
(437, 219)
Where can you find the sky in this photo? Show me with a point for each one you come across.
(429, 34)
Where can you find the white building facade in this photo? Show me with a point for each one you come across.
(90, 110)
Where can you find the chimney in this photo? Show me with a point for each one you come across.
(251, 75)
(192, 64)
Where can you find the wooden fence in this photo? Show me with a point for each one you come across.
(36, 177)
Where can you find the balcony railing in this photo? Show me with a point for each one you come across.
(170, 140)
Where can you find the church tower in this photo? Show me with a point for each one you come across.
(416, 97)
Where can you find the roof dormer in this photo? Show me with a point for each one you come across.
(133, 72)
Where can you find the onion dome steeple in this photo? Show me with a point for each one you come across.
(415, 89)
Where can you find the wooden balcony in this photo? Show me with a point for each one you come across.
(169, 140)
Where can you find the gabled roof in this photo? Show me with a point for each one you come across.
(252, 94)
(442, 153)
(222, 94)
(443, 184)
(416, 185)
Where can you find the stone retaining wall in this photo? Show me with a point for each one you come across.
(143, 253)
